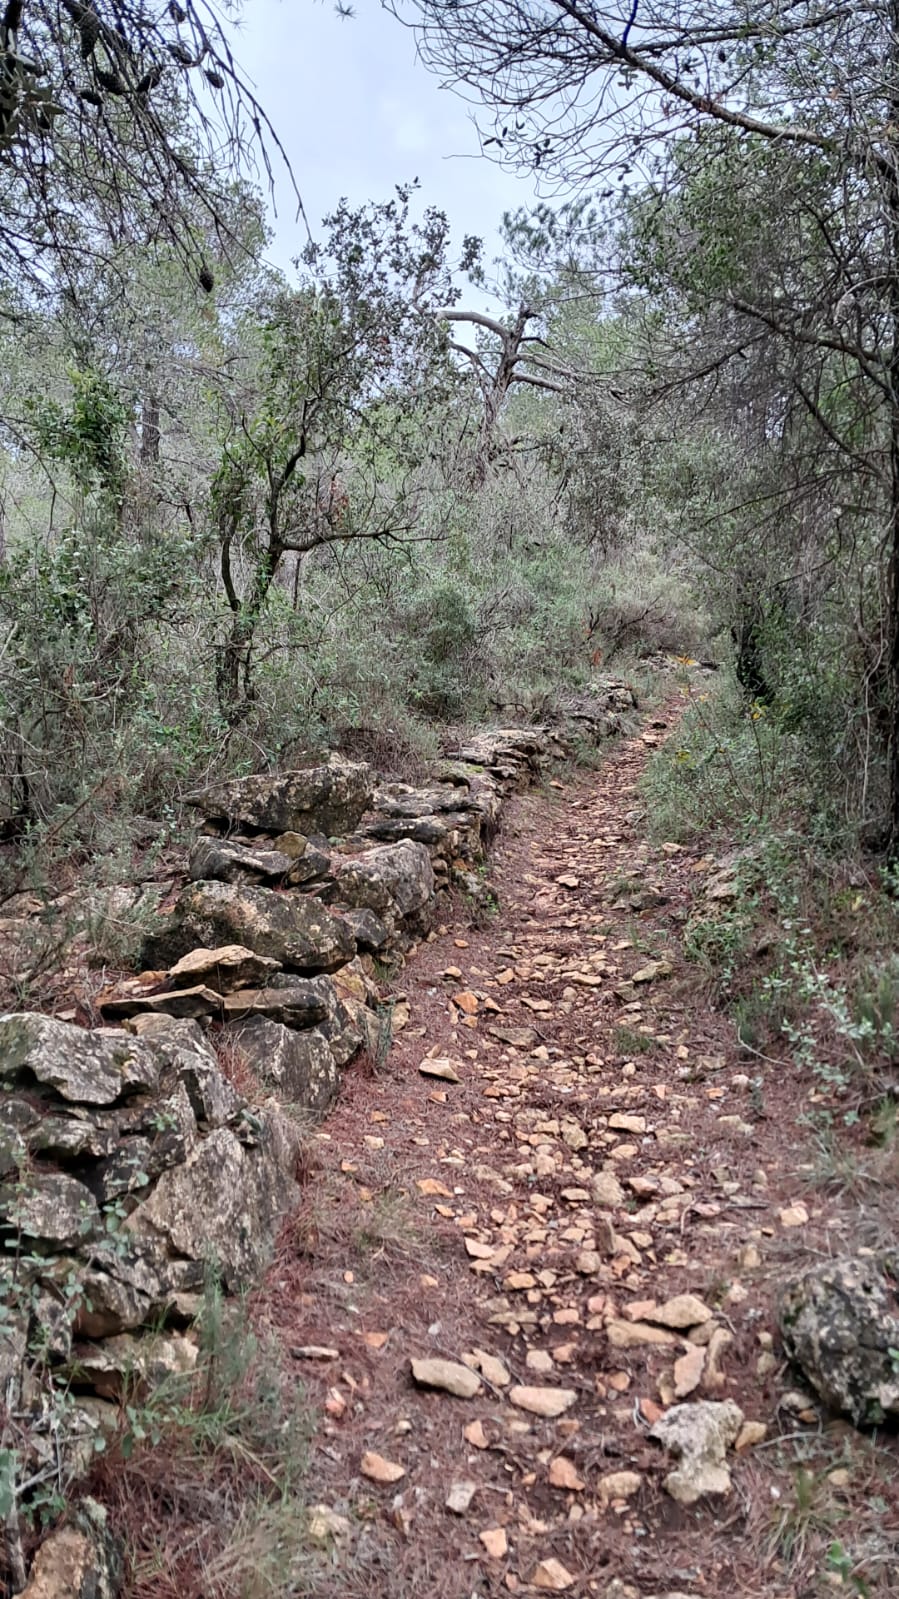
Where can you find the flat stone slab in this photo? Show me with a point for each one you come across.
(291, 928)
(299, 1067)
(226, 968)
(85, 1068)
(328, 799)
(299, 1003)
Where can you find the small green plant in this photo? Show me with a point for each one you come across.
(629, 1042)
(385, 1034)
(718, 943)
(229, 1440)
(842, 1565)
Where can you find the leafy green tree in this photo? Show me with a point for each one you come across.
(799, 106)
(328, 441)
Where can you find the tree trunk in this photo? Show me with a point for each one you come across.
(149, 432)
(892, 198)
(233, 676)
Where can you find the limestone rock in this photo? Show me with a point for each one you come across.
(551, 1576)
(632, 1334)
(300, 1067)
(125, 1367)
(619, 1485)
(440, 1066)
(377, 1469)
(329, 798)
(395, 879)
(158, 1138)
(224, 1201)
(124, 1288)
(607, 1190)
(548, 1402)
(369, 931)
(351, 1027)
(840, 1325)
(138, 995)
(448, 1375)
(688, 1370)
(69, 1138)
(293, 845)
(229, 967)
(82, 1560)
(226, 861)
(87, 1068)
(459, 1498)
(698, 1435)
(684, 1310)
(296, 1001)
(50, 1208)
(186, 1051)
(290, 928)
(13, 1344)
(325, 1524)
(353, 982)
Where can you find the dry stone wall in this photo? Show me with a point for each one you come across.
(129, 1163)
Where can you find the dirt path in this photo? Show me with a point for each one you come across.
(602, 1149)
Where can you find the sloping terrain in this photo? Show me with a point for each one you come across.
(564, 1180)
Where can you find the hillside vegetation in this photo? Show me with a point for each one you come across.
(256, 520)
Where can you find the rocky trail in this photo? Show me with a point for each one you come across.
(532, 1282)
(530, 1291)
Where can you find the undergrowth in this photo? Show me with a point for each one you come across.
(796, 937)
(206, 1480)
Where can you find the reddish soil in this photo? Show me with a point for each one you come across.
(445, 1218)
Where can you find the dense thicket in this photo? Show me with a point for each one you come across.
(750, 155)
(333, 505)
(244, 512)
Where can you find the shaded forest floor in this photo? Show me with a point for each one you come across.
(607, 1146)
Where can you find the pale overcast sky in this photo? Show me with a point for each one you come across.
(358, 113)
